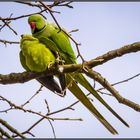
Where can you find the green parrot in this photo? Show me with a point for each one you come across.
(55, 40)
(35, 56)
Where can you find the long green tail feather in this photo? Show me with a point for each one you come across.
(74, 88)
(83, 81)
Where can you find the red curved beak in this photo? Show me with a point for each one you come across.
(32, 25)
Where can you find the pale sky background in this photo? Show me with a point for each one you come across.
(103, 26)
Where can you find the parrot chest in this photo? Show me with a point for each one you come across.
(37, 58)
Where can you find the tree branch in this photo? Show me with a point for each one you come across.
(37, 92)
(14, 106)
(98, 77)
(4, 123)
(23, 16)
(122, 81)
(131, 48)
(4, 133)
(8, 42)
(54, 4)
(26, 76)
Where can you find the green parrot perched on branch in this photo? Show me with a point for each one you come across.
(55, 40)
(36, 57)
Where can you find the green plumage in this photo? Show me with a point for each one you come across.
(36, 57)
(49, 34)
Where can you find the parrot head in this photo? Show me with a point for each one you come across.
(36, 22)
(26, 39)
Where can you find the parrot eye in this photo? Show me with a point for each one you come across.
(22, 36)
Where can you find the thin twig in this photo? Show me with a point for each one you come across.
(47, 105)
(51, 13)
(75, 30)
(14, 106)
(52, 128)
(122, 81)
(105, 93)
(37, 92)
(76, 44)
(23, 16)
(7, 24)
(8, 42)
(55, 3)
(29, 3)
(3, 26)
(6, 110)
(51, 113)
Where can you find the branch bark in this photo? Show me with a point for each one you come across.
(4, 133)
(26, 76)
(8, 126)
(131, 48)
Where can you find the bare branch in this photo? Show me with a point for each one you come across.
(76, 44)
(54, 4)
(29, 3)
(52, 128)
(4, 133)
(37, 92)
(14, 106)
(93, 74)
(22, 16)
(26, 76)
(131, 48)
(4, 123)
(8, 42)
(122, 81)
(75, 30)
(59, 3)
(51, 113)
(51, 13)
(47, 105)
(7, 24)
(2, 26)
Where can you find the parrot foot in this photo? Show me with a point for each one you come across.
(50, 65)
(58, 60)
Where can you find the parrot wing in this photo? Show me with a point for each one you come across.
(23, 61)
(51, 45)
